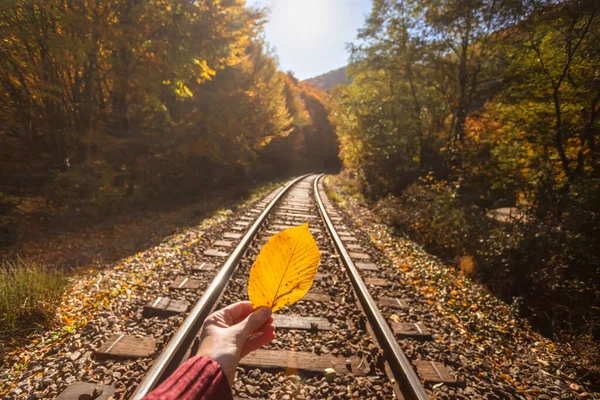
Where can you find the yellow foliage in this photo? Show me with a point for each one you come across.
(467, 265)
(183, 91)
(285, 268)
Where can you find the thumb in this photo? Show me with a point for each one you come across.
(255, 320)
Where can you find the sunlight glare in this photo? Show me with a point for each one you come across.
(309, 36)
(306, 22)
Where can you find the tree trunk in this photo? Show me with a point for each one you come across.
(417, 111)
(91, 81)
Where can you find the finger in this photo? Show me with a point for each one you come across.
(255, 320)
(270, 320)
(237, 321)
(267, 326)
(257, 342)
(237, 312)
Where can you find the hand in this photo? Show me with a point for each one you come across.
(226, 334)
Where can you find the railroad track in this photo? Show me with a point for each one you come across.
(342, 339)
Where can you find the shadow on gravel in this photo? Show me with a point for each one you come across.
(80, 242)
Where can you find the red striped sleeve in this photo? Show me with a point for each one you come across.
(199, 378)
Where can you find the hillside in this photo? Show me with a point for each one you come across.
(329, 79)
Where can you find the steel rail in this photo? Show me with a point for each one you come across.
(175, 350)
(410, 385)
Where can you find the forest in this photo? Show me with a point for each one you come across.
(329, 79)
(111, 106)
(472, 126)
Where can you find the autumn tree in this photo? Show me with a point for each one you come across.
(110, 104)
(312, 144)
(458, 108)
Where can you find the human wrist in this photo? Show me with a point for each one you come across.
(222, 356)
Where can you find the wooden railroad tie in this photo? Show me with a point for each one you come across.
(294, 209)
(126, 346)
(291, 321)
(165, 307)
(223, 243)
(392, 303)
(215, 253)
(232, 235)
(321, 277)
(204, 267)
(282, 214)
(85, 390)
(432, 372)
(376, 282)
(354, 246)
(275, 229)
(242, 223)
(359, 256)
(183, 282)
(316, 297)
(411, 330)
(297, 203)
(348, 238)
(367, 266)
(298, 216)
(294, 361)
(284, 224)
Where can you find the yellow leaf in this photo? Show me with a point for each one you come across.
(285, 268)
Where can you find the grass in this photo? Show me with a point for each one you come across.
(29, 294)
(332, 194)
(338, 186)
(260, 191)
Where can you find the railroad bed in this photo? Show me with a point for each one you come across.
(352, 336)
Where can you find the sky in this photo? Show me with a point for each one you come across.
(309, 36)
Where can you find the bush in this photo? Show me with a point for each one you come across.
(29, 295)
(429, 212)
(549, 266)
(554, 268)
